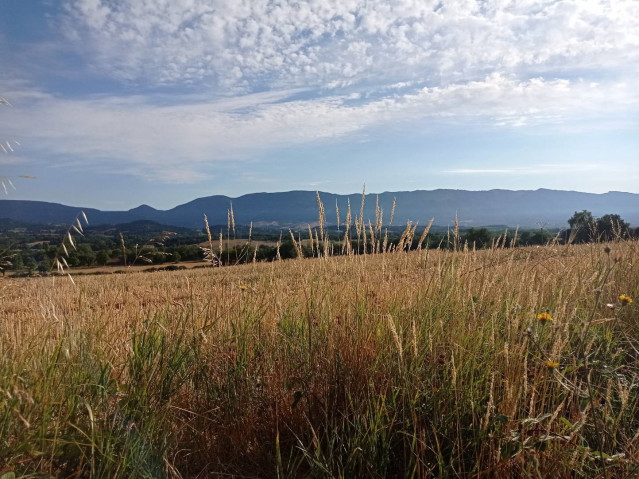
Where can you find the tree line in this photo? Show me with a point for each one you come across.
(98, 250)
(585, 228)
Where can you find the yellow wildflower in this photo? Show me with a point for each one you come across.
(625, 299)
(552, 364)
(544, 317)
(243, 287)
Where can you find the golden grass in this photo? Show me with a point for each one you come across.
(406, 364)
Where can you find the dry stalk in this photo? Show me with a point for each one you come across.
(425, 234)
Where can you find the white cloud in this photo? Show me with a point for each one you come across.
(281, 74)
(243, 45)
(192, 136)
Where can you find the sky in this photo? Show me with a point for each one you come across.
(117, 103)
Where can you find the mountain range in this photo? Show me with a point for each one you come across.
(523, 208)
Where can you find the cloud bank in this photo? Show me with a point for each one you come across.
(249, 76)
(153, 140)
(249, 44)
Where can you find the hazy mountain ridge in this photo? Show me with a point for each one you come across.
(525, 208)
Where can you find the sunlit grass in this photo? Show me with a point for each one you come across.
(497, 363)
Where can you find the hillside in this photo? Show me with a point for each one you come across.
(526, 208)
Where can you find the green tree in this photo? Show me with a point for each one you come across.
(17, 263)
(612, 226)
(158, 257)
(537, 237)
(51, 252)
(102, 257)
(582, 226)
(45, 265)
(84, 255)
(30, 263)
(287, 250)
(480, 238)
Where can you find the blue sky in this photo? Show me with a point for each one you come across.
(117, 103)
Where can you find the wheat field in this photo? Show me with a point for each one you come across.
(506, 362)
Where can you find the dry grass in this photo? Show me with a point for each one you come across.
(430, 363)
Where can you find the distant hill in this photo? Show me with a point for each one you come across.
(525, 208)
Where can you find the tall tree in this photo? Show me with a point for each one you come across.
(612, 226)
(582, 226)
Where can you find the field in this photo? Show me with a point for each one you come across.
(137, 268)
(505, 362)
